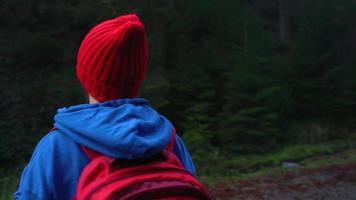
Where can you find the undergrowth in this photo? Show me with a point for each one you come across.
(223, 167)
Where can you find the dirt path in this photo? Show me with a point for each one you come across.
(331, 183)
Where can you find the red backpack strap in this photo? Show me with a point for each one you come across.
(90, 153)
(171, 143)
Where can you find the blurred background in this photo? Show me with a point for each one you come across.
(249, 84)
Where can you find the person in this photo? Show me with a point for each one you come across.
(111, 65)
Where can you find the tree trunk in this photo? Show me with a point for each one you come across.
(284, 32)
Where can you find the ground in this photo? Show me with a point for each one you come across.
(324, 183)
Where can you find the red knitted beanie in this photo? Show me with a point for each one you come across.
(112, 59)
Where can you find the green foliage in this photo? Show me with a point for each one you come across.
(8, 183)
(229, 165)
(324, 81)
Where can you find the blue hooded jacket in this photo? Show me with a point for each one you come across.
(123, 128)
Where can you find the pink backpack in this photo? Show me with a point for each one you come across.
(158, 177)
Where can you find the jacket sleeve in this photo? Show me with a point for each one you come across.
(34, 181)
(26, 196)
(182, 153)
(53, 170)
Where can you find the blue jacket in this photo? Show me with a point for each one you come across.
(123, 128)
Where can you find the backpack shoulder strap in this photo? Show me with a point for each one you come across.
(171, 143)
(90, 153)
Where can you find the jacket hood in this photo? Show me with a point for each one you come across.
(122, 128)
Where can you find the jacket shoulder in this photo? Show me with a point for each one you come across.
(54, 168)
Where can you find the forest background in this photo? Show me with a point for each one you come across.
(248, 84)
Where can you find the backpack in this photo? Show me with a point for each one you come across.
(161, 176)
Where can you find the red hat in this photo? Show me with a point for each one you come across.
(112, 59)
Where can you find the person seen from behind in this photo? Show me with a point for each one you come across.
(111, 66)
